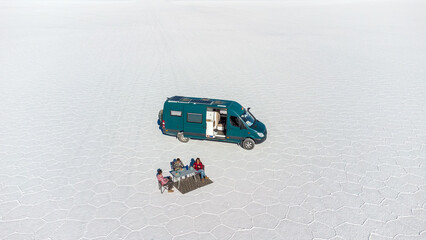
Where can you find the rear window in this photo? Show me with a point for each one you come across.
(194, 118)
(175, 113)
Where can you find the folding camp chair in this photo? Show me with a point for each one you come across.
(161, 187)
(172, 164)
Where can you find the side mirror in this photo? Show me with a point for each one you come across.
(248, 110)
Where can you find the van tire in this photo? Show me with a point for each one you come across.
(160, 115)
(248, 144)
(182, 138)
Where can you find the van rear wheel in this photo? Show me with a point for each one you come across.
(248, 144)
(182, 138)
(160, 115)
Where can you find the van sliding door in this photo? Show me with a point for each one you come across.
(209, 124)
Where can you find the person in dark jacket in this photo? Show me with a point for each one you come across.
(199, 167)
(178, 165)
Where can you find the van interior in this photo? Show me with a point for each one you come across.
(216, 122)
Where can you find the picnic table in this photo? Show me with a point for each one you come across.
(179, 174)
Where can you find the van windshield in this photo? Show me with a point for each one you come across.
(248, 118)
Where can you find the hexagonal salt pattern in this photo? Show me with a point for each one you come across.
(339, 84)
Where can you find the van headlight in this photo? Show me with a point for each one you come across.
(260, 134)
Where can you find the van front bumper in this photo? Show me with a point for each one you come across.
(261, 140)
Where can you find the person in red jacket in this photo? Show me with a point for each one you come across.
(199, 167)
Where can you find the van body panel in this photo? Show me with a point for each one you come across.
(259, 127)
(234, 133)
(237, 108)
(194, 121)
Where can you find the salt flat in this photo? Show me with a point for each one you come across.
(340, 86)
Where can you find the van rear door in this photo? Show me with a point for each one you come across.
(175, 117)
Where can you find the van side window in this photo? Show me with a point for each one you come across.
(175, 113)
(234, 121)
(194, 118)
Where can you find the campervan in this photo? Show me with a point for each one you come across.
(210, 119)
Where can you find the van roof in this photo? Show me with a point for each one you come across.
(203, 101)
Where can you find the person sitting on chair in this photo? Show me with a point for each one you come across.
(178, 165)
(165, 180)
(199, 167)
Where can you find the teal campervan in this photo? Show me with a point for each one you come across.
(210, 119)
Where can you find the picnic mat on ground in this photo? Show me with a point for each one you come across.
(189, 184)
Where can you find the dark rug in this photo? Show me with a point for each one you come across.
(191, 183)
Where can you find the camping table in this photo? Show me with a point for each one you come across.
(179, 174)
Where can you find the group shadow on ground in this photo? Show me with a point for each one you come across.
(191, 183)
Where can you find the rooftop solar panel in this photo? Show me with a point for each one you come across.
(190, 100)
(203, 101)
(175, 98)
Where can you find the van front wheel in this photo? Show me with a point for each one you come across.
(182, 138)
(248, 144)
